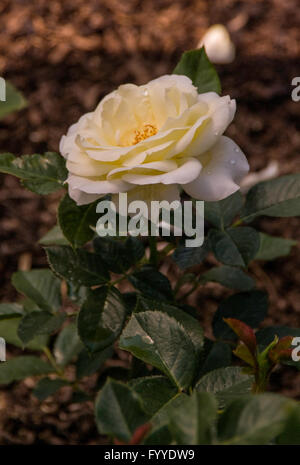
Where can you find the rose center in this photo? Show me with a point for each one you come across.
(147, 130)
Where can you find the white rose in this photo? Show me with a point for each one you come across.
(149, 140)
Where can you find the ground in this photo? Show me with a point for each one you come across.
(64, 57)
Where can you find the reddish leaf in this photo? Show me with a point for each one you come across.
(284, 343)
(282, 350)
(278, 356)
(244, 333)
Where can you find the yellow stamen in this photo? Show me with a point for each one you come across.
(148, 130)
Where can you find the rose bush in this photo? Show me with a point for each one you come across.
(155, 377)
(145, 139)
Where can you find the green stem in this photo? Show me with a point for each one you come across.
(261, 381)
(52, 361)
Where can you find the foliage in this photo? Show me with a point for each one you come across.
(177, 385)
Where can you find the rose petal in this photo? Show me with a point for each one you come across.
(81, 198)
(185, 173)
(151, 192)
(205, 135)
(92, 186)
(221, 176)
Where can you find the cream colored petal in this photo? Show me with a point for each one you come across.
(136, 152)
(222, 174)
(160, 97)
(189, 170)
(93, 186)
(152, 192)
(81, 198)
(87, 167)
(155, 148)
(159, 166)
(107, 155)
(214, 101)
(148, 154)
(187, 118)
(185, 173)
(167, 81)
(67, 142)
(205, 135)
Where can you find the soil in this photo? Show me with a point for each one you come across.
(64, 57)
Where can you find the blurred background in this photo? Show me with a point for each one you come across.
(64, 57)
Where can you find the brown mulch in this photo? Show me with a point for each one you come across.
(64, 57)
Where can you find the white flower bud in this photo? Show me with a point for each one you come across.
(218, 45)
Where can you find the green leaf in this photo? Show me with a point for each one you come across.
(254, 420)
(158, 436)
(161, 341)
(8, 310)
(75, 221)
(119, 256)
(118, 410)
(41, 286)
(101, 318)
(41, 174)
(195, 65)
(185, 257)
(192, 422)
(38, 323)
(277, 197)
(80, 266)
(9, 331)
(226, 384)
(151, 283)
(54, 237)
(21, 367)
(228, 276)
(30, 306)
(250, 307)
(67, 345)
(88, 363)
(235, 246)
(46, 387)
(14, 101)
(190, 324)
(221, 214)
(153, 391)
(160, 433)
(273, 247)
(218, 356)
